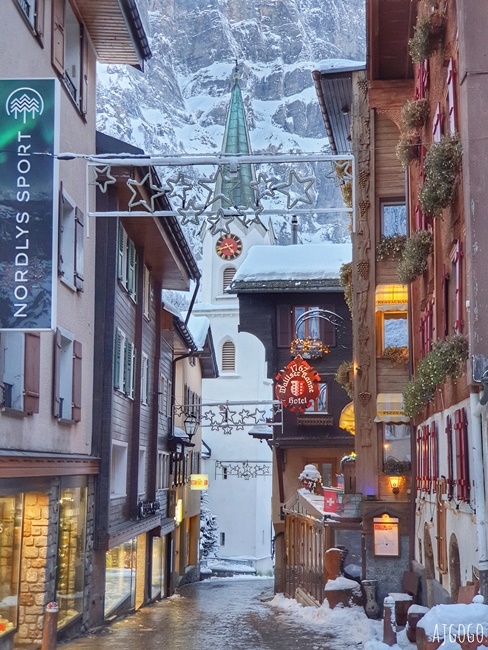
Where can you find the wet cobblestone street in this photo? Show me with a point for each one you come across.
(216, 614)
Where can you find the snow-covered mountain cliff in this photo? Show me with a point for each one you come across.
(179, 104)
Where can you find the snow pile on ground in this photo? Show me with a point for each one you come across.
(346, 623)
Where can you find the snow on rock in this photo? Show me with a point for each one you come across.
(296, 262)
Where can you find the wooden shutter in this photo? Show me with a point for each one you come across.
(426, 464)
(451, 97)
(117, 355)
(462, 460)
(39, 21)
(419, 459)
(56, 374)
(437, 124)
(284, 331)
(79, 261)
(32, 365)
(57, 51)
(120, 252)
(434, 460)
(60, 227)
(131, 267)
(127, 366)
(450, 459)
(76, 407)
(84, 72)
(228, 357)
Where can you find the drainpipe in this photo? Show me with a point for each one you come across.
(479, 484)
(192, 301)
(294, 229)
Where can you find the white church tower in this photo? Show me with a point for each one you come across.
(239, 466)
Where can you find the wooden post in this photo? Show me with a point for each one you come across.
(389, 621)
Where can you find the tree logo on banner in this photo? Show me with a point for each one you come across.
(297, 385)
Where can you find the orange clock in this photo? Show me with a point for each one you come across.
(228, 246)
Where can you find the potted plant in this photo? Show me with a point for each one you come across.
(391, 246)
(446, 359)
(414, 256)
(427, 32)
(441, 165)
(415, 113)
(408, 148)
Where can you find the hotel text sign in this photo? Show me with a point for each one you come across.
(27, 125)
(297, 385)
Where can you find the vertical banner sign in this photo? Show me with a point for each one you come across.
(27, 136)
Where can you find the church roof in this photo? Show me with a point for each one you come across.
(235, 183)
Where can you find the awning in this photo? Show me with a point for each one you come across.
(389, 408)
(391, 297)
(346, 421)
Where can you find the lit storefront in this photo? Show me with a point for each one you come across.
(11, 508)
(120, 576)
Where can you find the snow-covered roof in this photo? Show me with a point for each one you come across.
(171, 309)
(295, 262)
(339, 65)
(199, 326)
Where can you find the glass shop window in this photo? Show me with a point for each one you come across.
(10, 552)
(396, 444)
(71, 554)
(120, 575)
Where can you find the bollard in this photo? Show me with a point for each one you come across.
(50, 628)
(389, 621)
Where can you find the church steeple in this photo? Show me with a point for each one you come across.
(235, 183)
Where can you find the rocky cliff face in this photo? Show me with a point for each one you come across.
(179, 104)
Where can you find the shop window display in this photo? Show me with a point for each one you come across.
(71, 553)
(120, 575)
(157, 566)
(10, 547)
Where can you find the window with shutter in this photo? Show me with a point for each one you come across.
(437, 124)
(67, 377)
(146, 298)
(129, 369)
(79, 256)
(228, 357)
(420, 467)
(450, 459)
(70, 52)
(227, 276)
(77, 365)
(284, 325)
(121, 254)
(456, 286)
(13, 358)
(451, 98)
(426, 459)
(434, 459)
(462, 459)
(311, 325)
(144, 378)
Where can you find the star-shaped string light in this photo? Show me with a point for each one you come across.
(191, 212)
(135, 187)
(249, 214)
(340, 170)
(292, 196)
(179, 186)
(219, 223)
(258, 416)
(103, 178)
(213, 180)
(263, 186)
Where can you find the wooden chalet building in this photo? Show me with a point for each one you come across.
(276, 286)
(361, 109)
(419, 103)
(136, 258)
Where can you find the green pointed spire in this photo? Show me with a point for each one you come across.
(236, 141)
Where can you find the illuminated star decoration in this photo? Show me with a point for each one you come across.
(249, 214)
(135, 188)
(191, 212)
(340, 170)
(258, 416)
(179, 186)
(103, 178)
(289, 189)
(220, 222)
(212, 197)
(263, 186)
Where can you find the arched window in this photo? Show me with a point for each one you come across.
(228, 357)
(228, 276)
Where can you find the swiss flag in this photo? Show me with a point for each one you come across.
(332, 499)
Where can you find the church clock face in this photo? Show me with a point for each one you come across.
(228, 246)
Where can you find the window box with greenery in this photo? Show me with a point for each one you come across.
(415, 113)
(390, 247)
(414, 256)
(441, 167)
(396, 354)
(446, 359)
(427, 33)
(408, 148)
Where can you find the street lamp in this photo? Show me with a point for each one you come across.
(191, 424)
